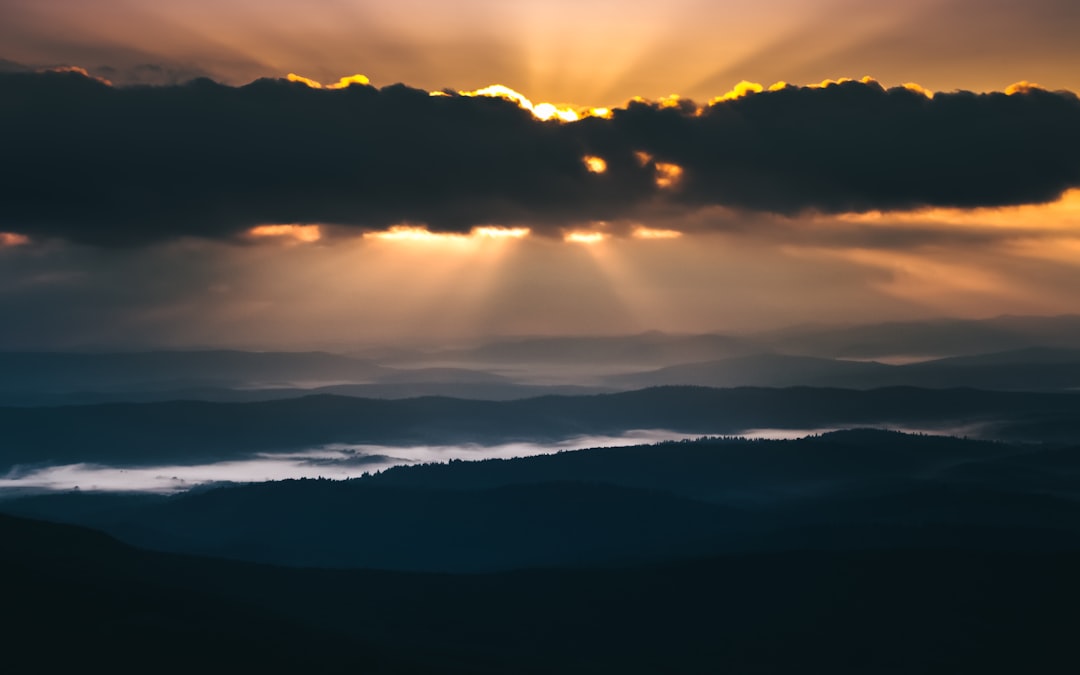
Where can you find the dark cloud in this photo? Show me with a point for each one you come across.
(125, 165)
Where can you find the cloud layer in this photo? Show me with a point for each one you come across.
(88, 162)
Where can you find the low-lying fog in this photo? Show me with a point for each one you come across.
(336, 461)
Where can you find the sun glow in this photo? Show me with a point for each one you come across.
(1022, 87)
(743, 88)
(642, 232)
(668, 174)
(304, 233)
(918, 89)
(13, 239)
(1063, 214)
(572, 113)
(595, 164)
(584, 237)
(541, 111)
(413, 233)
(420, 234)
(492, 232)
(340, 84)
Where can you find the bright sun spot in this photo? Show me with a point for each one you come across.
(491, 232)
(595, 164)
(585, 237)
(418, 233)
(541, 111)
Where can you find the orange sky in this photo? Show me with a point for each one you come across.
(592, 52)
(306, 284)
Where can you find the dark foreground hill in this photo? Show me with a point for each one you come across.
(79, 600)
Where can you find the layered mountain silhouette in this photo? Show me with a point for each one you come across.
(845, 490)
(1029, 369)
(853, 551)
(1014, 353)
(897, 609)
(923, 338)
(196, 431)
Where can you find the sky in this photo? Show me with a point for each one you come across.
(339, 173)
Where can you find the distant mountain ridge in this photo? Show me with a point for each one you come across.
(1027, 369)
(71, 371)
(195, 432)
(929, 338)
(1031, 353)
(932, 338)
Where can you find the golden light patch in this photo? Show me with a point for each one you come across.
(350, 80)
(595, 164)
(547, 111)
(743, 88)
(1063, 214)
(584, 237)
(501, 91)
(420, 234)
(574, 113)
(670, 101)
(866, 79)
(80, 71)
(667, 174)
(828, 83)
(541, 111)
(340, 84)
(413, 233)
(1022, 87)
(917, 88)
(492, 232)
(13, 239)
(643, 232)
(293, 77)
(304, 233)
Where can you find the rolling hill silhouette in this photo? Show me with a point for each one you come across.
(845, 490)
(194, 431)
(83, 598)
